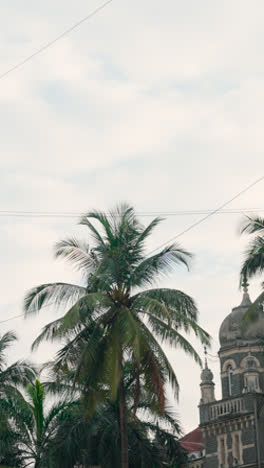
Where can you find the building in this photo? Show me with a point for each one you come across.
(232, 429)
(194, 445)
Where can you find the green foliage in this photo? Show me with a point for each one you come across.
(97, 441)
(253, 264)
(254, 255)
(12, 379)
(32, 427)
(112, 323)
(113, 313)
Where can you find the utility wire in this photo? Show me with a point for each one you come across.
(56, 39)
(11, 318)
(185, 230)
(61, 214)
(23, 315)
(200, 221)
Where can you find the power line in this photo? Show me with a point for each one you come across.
(11, 318)
(61, 214)
(56, 39)
(211, 213)
(23, 315)
(200, 221)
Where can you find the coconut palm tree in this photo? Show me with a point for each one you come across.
(12, 379)
(33, 426)
(111, 318)
(152, 437)
(96, 442)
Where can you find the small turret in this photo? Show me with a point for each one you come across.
(207, 385)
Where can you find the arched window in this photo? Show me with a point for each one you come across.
(230, 379)
(251, 364)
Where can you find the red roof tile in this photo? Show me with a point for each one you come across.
(193, 442)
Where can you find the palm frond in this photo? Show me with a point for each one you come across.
(95, 233)
(55, 294)
(77, 252)
(5, 341)
(252, 225)
(103, 221)
(254, 312)
(158, 351)
(254, 259)
(171, 336)
(48, 333)
(18, 373)
(175, 301)
(159, 264)
(148, 231)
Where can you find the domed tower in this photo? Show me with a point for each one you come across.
(207, 385)
(233, 427)
(241, 352)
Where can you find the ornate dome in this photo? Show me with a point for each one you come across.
(207, 375)
(234, 332)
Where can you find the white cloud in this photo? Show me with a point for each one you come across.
(157, 103)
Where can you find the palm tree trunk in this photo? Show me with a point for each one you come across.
(123, 425)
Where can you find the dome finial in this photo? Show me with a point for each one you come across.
(245, 283)
(246, 299)
(205, 358)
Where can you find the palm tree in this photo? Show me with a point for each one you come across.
(96, 442)
(111, 318)
(34, 426)
(152, 438)
(15, 375)
(10, 453)
(253, 264)
(12, 379)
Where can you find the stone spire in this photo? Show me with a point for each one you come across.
(207, 385)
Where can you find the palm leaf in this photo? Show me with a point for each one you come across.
(252, 224)
(78, 252)
(55, 294)
(159, 264)
(254, 261)
(168, 335)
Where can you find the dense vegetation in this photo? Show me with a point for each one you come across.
(108, 380)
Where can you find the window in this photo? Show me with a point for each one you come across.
(251, 363)
(230, 379)
(236, 449)
(222, 452)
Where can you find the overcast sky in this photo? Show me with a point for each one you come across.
(157, 103)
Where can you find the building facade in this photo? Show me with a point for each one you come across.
(232, 429)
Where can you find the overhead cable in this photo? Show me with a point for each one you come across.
(200, 221)
(23, 315)
(70, 214)
(56, 39)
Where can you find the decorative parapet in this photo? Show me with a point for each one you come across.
(230, 407)
(216, 410)
(226, 407)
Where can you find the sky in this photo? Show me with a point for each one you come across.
(159, 104)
